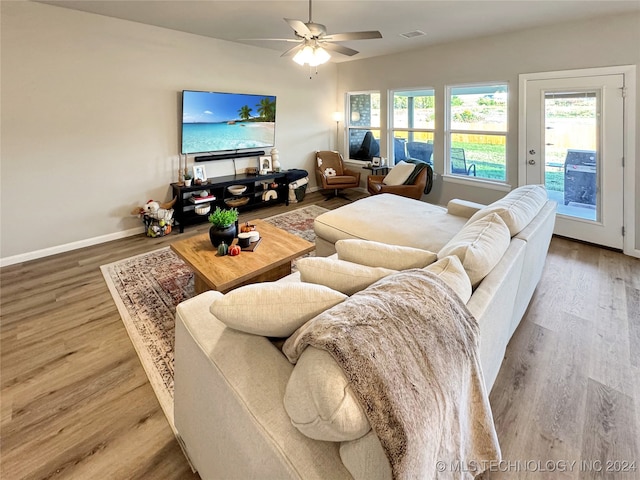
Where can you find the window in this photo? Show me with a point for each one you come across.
(412, 125)
(477, 131)
(363, 117)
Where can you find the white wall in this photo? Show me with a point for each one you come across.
(501, 58)
(90, 111)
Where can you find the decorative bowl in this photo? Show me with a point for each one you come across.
(237, 202)
(237, 189)
(203, 209)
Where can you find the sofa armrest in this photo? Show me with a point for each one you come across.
(463, 208)
(228, 404)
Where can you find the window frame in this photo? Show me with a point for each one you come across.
(392, 129)
(350, 127)
(449, 131)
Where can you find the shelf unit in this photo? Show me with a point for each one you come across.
(184, 209)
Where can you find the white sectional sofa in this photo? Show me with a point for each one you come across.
(231, 379)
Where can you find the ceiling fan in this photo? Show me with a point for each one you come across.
(313, 42)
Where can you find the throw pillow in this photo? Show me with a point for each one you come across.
(479, 246)
(320, 401)
(376, 254)
(451, 271)
(273, 309)
(345, 277)
(398, 174)
(517, 208)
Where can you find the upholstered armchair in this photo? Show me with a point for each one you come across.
(415, 190)
(332, 173)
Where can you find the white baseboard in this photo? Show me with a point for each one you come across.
(45, 252)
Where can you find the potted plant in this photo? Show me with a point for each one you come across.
(223, 226)
(187, 179)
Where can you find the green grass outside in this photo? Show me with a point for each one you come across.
(488, 159)
(490, 164)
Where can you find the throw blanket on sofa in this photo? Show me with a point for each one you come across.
(409, 347)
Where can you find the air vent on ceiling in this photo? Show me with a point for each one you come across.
(415, 33)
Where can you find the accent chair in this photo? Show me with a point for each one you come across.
(333, 175)
(375, 186)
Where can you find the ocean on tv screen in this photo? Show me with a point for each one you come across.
(213, 137)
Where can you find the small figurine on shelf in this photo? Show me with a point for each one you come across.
(275, 160)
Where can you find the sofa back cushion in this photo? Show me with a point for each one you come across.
(479, 246)
(345, 277)
(273, 309)
(450, 270)
(320, 402)
(377, 254)
(517, 208)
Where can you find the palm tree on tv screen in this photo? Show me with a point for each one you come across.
(245, 112)
(267, 109)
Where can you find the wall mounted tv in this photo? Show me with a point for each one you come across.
(219, 123)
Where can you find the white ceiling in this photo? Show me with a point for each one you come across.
(442, 21)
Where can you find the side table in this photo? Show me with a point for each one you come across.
(377, 170)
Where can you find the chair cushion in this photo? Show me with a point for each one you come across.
(273, 309)
(517, 208)
(345, 277)
(376, 254)
(399, 174)
(479, 246)
(340, 180)
(451, 271)
(320, 401)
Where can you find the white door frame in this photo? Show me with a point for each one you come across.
(629, 148)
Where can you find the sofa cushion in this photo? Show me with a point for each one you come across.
(450, 270)
(391, 219)
(345, 277)
(376, 254)
(479, 246)
(517, 208)
(399, 173)
(320, 401)
(273, 309)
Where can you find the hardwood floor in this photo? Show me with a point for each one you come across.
(76, 403)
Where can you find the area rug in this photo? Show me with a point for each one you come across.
(147, 288)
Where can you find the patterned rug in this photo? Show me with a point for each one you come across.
(146, 289)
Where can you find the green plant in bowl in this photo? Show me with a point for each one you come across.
(222, 218)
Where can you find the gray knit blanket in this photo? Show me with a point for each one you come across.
(409, 347)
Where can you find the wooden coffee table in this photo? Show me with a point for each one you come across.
(270, 261)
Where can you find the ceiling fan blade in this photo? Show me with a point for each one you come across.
(292, 50)
(344, 37)
(339, 48)
(299, 27)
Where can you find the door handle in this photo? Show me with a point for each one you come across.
(532, 161)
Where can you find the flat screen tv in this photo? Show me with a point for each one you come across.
(216, 122)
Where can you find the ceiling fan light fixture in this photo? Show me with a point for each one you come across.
(304, 55)
(320, 56)
(312, 56)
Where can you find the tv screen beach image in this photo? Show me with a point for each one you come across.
(213, 121)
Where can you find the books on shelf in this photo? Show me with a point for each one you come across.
(197, 199)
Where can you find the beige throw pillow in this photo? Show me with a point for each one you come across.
(479, 246)
(273, 309)
(399, 173)
(517, 208)
(376, 254)
(451, 271)
(345, 277)
(320, 401)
